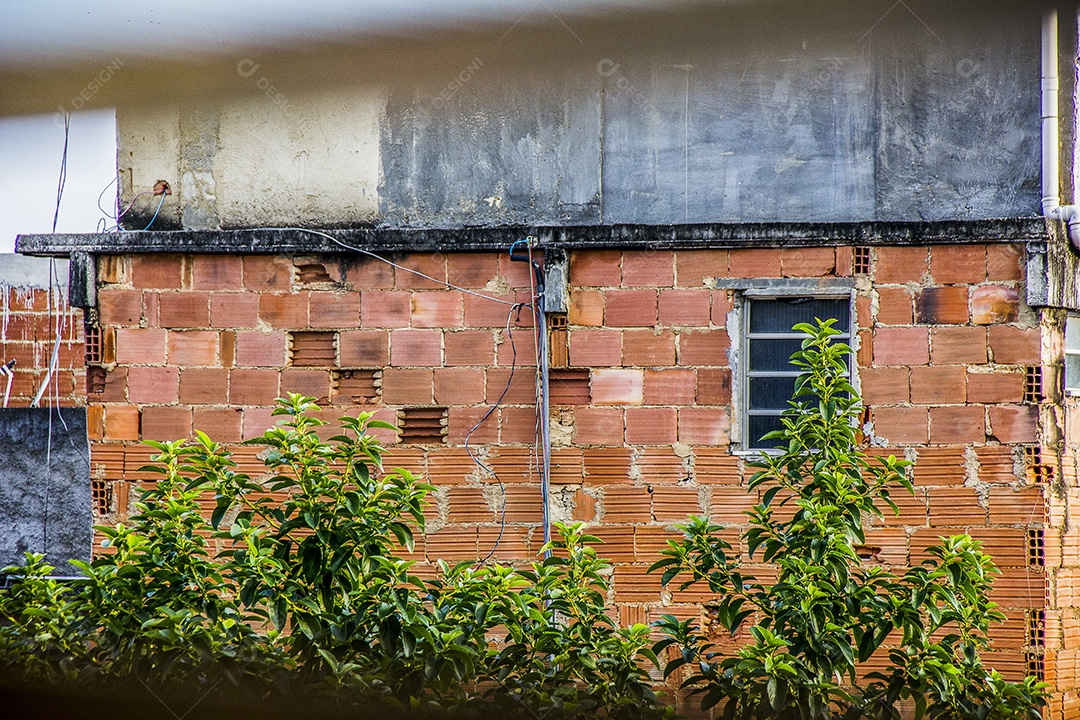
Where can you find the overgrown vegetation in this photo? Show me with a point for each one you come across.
(299, 583)
(827, 615)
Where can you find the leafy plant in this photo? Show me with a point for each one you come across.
(36, 636)
(827, 614)
(297, 581)
(563, 651)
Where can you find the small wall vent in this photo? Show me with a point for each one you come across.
(313, 349)
(356, 386)
(92, 341)
(1038, 472)
(1033, 384)
(1036, 630)
(100, 497)
(559, 356)
(569, 387)
(422, 425)
(312, 273)
(1036, 547)
(861, 261)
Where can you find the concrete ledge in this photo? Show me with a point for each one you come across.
(694, 236)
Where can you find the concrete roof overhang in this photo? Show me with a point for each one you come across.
(126, 52)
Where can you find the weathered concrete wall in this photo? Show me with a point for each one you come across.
(515, 149)
(250, 162)
(810, 115)
(44, 485)
(742, 122)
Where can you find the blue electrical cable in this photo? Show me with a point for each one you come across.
(160, 203)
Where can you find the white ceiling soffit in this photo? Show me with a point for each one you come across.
(39, 34)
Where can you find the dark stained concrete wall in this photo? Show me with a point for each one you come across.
(925, 112)
(44, 487)
(522, 150)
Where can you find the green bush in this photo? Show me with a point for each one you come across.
(827, 613)
(299, 582)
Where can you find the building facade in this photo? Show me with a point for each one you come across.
(687, 184)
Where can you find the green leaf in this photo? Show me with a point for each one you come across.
(218, 514)
(380, 424)
(776, 689)
(279, 609)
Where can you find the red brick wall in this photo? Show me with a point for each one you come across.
(28, 328)
(642, 417)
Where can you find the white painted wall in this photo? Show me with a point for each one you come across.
(314, 160)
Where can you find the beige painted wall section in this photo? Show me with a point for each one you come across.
(148, 150)
(313, 160)
(259, 161)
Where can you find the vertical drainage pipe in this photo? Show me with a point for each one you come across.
(1051, 152)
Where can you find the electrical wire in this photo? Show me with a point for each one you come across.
(55, 357)
(37, 399)
(126, 210)
(48, 486)
(490, 411)
(52, 262)
(63, 171)
(56, 299)
(71, 439)
(543, 419)
(116, 213)
(55, 409)
(160, 203)
(105, 212)
(392, 264)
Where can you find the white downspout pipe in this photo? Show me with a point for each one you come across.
(1051, 158)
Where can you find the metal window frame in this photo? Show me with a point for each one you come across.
(741, 442)
(1071, 385)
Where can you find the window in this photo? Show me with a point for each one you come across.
(1072, 355)
(769, 341)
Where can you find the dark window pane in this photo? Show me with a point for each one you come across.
(771, 316)
(758, 425)
(771, 393)
(773, 355)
